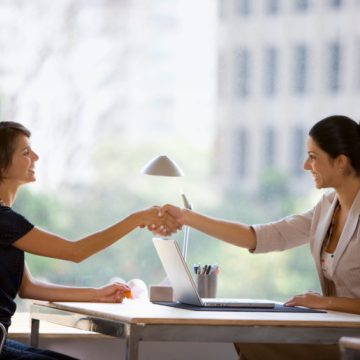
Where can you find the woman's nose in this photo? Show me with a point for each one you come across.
(306, 165)
(35, 156)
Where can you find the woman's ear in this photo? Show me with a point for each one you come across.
(343, 164)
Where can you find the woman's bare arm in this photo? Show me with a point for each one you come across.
(38, 290)
(40, 242)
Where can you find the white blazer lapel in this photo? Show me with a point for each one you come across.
(322, 227)
(348, 231)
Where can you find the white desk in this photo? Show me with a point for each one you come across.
(139, 320)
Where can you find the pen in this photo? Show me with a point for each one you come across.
(206, 269)
(196, 268)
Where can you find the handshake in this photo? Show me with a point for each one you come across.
(162, 221)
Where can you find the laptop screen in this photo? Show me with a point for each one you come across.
(177, 271)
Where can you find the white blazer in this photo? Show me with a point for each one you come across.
(311, 227)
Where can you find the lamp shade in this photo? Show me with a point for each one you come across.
(162, 166)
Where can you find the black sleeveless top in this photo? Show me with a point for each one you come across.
(13, 226)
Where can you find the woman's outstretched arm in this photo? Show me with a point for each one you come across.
(231, 232)
(40, 242)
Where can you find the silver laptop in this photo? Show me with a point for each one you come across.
(183, 283)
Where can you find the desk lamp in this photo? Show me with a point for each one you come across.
(164, 166)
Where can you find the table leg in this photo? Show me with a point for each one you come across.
(132, 343)
(34, 338)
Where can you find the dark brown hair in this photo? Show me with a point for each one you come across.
(9, 131)
(339, 135)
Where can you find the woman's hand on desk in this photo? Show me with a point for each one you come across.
(112, 293)
(316, 301)
(310, 299)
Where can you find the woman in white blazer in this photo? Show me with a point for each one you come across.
(332, 227)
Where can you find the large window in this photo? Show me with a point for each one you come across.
(105, 86)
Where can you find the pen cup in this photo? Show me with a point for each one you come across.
(207, 285)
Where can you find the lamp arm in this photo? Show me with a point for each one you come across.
(186, 202)
(187, 205)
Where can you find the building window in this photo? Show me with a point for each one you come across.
(221, 83)
(334, 67)
(221, 9)
(269, 147)
(243, 7)
(242, 73)
(301, 5)
(270, 70)
(272, 6)
(300, 69)
(298, 144)
(240, 152)
(335, 3)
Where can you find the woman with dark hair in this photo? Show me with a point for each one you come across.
(332, 227)
(18, 235)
